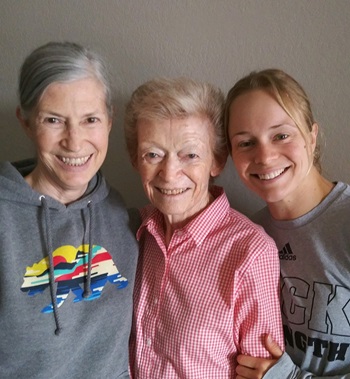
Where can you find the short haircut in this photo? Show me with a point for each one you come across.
(59, 62)
(179, 98)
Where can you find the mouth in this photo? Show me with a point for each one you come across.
(175, 191)
(271, 175)
(75, 162)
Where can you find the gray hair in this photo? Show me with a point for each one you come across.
(59, 62)
(163, 99)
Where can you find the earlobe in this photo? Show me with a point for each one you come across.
(134, 164)
(110, 125)
(216, 169)
(24, 123)
(313, 136)
(19, 114)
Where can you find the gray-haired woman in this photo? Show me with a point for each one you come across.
(207, 283)
(68, 255)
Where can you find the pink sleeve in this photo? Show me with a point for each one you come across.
(257, 305)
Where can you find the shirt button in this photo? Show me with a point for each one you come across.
(148, 342)
(155, 301)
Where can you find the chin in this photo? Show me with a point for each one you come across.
(272, 198)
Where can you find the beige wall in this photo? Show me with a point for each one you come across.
(212, 40)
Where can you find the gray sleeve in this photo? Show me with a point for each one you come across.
(286, 369)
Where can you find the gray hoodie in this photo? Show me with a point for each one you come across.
(66, 281)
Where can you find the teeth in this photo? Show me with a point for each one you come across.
(271, 175)
(171, 192)
(75, 161)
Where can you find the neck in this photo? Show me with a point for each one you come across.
(175, 223)
(309, 195)
(63, 196)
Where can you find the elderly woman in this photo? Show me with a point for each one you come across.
(68, 256)
(207, 285)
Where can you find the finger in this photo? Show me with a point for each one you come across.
(247, 361)
(273, 347)
(247, 373)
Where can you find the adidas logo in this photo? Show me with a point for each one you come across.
(286, 253)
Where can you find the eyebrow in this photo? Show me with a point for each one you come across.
(57, 114)
(270, 128)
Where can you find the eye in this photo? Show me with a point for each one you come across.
(152, 157)
(281, 136)
(243, 144)
(92, 120)
(52, 120)
(188, 157)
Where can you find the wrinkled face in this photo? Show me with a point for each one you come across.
(70, 128)
(175, 161)
(271, 155)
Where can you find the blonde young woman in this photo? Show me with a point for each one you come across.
(273, 141)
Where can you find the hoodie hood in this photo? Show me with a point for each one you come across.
(15, 189)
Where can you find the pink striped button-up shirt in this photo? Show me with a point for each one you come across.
(211, 294)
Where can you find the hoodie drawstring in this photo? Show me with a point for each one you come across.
(51, 264)
(87, 291)
(53, 288)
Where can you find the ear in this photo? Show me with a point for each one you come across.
(111, 119)
(110, 123)
(217, 168)
(134, 163)
(24, 122)
(313, 137)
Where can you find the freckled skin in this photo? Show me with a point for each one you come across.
(175, 162)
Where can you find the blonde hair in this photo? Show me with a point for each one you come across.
(288, 93)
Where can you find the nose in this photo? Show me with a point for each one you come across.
(170, 169)
(72, 138)
(264, 153)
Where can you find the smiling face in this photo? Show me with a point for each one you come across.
(70, 128)
(273, 158)
(175, 161)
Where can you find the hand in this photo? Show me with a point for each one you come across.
(255, 368)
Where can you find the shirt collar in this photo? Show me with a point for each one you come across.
(198, 228)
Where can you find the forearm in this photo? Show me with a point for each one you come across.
(286, 369)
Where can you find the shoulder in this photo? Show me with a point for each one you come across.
(243, 222)
(261, 216)
(343, 190)
(109, 201)
(115, 197)
(247, 235)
